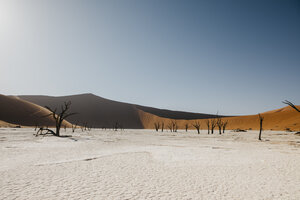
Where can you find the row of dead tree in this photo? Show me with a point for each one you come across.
(64, 113)
(210, 124)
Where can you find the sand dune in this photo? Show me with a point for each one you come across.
(96, 111)
(14, 110)
(100, 112)
(6, 124)
(278, 119)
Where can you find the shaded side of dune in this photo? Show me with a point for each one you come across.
(95, 111)
(16, 111)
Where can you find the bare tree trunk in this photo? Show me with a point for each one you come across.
(224, 126)
(261, 119)
(213, 125)
(208, 126)
(197, 126)
(186, 127)
(157, 126)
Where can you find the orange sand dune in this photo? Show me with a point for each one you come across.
(100, 112)
(16, 111)
(6, 124)
(278, 119)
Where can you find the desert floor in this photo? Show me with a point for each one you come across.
(144, 164)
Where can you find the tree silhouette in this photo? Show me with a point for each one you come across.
(157, 126)
(208, 125)
(261, 119)
(162, 126)
(186, 127)
(74, 126)
(174, 125)
(59, 117)
(220, 124)
(170, 126)
(213, 124)
(224, 126)
(197, 125)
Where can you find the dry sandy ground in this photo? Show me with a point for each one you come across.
(143, 164)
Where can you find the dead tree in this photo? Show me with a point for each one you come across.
(170, 126)
(220, 124)
(116, 126)
(157, 126)
(208, 125)
(60, 117)
(224, 126)
(162, 126)
(85, 125)
(74, 126)
(197, 125)
(261, 119)
(186, 127)
(174, 126)
(213, 124)
(36, 126)
(291, 104)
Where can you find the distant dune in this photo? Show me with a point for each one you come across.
(16, 111)
(101, 112)
(279, 119)
(6, 124)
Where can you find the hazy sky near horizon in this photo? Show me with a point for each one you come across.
(235, 57)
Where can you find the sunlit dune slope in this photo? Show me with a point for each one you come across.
(279, 119)
(100, 112)
(20, 112)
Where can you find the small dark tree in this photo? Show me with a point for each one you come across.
(186, 127)
(74, 126)
(220, 124)
(36, 126)
(170, 126)
(197, 125)
(213, 124)
(208, 125)
(116, 126)
(85, 125)
(261, 119)
(60, 117)
(162, 126)
(174, 126)
(157, 126)
(224, 126)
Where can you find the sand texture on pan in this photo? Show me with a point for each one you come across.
(143, 164)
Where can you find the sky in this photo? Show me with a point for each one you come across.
(230, 57)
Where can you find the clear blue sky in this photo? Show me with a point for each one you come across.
(235, 57)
